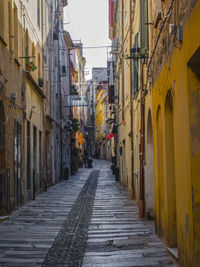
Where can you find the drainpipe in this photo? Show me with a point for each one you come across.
(132, 193)
(141, 201)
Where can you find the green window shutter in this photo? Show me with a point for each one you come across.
(135, 68)
(144, 29)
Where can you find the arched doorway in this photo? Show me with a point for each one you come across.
(170, 171)
(194, 126)
(2, 161)
(159, 158)
(149, 171)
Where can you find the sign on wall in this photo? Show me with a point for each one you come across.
(77, 100)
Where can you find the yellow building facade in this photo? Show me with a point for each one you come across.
(80, 112)
(176, 131)
(127, 27)
(22, 94)
(101, 111)
(12, 106)
(157, 98)
(34, 135)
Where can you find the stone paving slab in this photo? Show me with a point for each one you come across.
(27, 235)
(116, 236)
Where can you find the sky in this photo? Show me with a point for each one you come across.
(88, 22)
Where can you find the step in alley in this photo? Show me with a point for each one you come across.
(87, 221)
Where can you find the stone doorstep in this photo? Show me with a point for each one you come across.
(173, 252)
(3, 218)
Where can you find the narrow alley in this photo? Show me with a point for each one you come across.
(87, 221)
(99, 133)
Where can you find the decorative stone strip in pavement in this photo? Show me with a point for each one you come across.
(69, 246)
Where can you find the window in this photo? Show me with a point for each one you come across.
(39, 70)
(38, 13)
(27, 46)
(111, 94)
(63, 69)
(158, 13)
(15, 32)
(10, 33)
(2, 24)
(135, 68)
(33, 52)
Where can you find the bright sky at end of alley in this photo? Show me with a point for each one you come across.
(88, 21)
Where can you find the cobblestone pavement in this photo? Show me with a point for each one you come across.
(52, 230)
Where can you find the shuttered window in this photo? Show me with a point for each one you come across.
(144, 31)
(38, 13)
(135, 68)
(111, 94)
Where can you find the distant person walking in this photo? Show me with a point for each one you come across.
(85, 159)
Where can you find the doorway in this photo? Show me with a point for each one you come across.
(170, 171)
(124, 178)
(17, 164)
(149, 172)
(28, 157)
(159, 152)
(34, 161)
(2, 161)
(194, 124)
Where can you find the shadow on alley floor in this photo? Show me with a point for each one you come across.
(87, 220)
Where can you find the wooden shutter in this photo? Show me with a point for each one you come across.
(111, 94)
(135, 68)
(144, 31)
